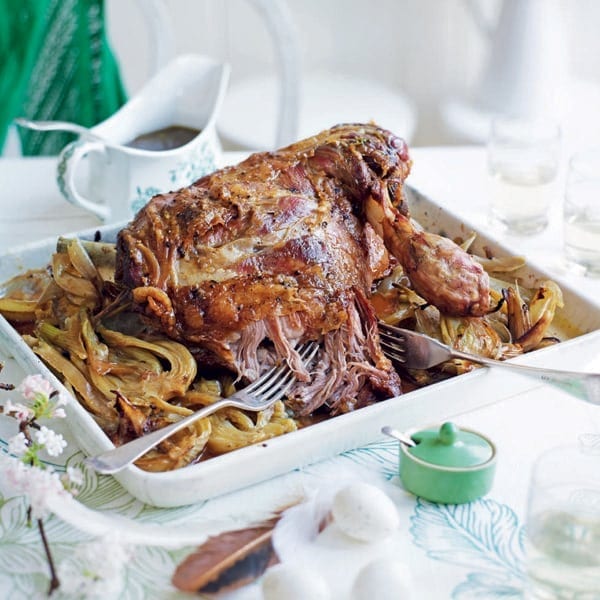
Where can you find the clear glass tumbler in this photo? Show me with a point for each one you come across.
(523, 161)
(563, 525)
(582, 212)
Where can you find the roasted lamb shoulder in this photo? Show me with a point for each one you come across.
(252, 259)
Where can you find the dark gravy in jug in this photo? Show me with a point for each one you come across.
(167, 138)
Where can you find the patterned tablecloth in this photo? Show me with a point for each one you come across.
(462, 552)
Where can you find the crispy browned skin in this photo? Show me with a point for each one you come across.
(274, 235)
(285, 232)
(287, 240)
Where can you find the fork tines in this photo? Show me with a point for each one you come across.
(277, 381)
(384, 327)
(391, 339)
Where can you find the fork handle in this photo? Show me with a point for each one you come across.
(118, 458)
(585, 386)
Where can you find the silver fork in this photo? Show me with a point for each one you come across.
(418, 351)
(259, 395)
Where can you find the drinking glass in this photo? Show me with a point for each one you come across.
(582, 212)
(563, 525)
(523, 161)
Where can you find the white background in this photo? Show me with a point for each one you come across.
(430, 50)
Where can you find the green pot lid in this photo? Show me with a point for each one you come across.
(451, 447)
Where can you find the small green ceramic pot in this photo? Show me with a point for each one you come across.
(448, 465)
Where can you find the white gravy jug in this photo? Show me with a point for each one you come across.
(112, 178)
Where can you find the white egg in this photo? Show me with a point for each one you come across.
(292, 582)
(364, 512)
(389, 577)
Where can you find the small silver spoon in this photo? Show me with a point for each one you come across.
(398, 435)
(57, 126)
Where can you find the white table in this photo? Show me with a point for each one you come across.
(453, 552)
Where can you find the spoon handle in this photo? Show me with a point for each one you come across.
(398, 435)
(56, 126)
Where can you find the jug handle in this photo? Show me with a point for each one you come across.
(68, 163)
(482, 21)
(281, 28)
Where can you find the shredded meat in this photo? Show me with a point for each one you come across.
(285, 247)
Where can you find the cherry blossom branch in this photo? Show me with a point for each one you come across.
(25, 469)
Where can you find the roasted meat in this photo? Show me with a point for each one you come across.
(252, 259)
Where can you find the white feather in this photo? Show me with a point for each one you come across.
(300, 525)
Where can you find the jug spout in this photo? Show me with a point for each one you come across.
(188, 92)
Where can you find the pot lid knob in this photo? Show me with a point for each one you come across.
(448, 433)
(451, 447)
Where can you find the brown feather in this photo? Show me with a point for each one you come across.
(228, 561)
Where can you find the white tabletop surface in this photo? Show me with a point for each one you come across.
(452, 552)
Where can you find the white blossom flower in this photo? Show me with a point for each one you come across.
(83, 575)
(60, 399)
(17, 410)
(75, 475)
(40, 486)
(18, 444)
(58, 413)
(56, 410)
(33, 385)
(14, 470)
(53, 442)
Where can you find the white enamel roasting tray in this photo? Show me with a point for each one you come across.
(578, 323)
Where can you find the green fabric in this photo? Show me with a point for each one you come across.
(55, 63)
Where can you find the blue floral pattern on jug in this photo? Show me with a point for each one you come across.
(61, 169)
(201, 162)
(142, 196)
